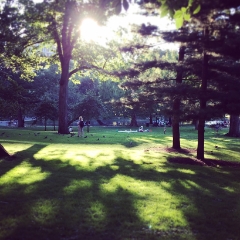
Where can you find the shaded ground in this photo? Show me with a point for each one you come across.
(3, 152)
(191, 160)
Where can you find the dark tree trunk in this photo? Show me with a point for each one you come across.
(45, 124)
(203, 105)
(234, 126)
(65, 44)
(3, 152)
(20, 118)
(63, 95)
(176, 105)
(88, 126)
(150, 120)
(54, 125)
(175, 124)
(133, 122)
(200, 147)
(170, 121)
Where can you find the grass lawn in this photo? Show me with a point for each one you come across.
(114, 185)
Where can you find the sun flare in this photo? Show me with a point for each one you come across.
(90, 30)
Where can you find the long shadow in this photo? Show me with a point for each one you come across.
(76, 206)
(213, 197)
(72, 215)
(16, 159)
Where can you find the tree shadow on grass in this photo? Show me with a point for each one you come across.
(204, 162)
(70, 205)
(8, 163)
(213, 200)
(71, 202)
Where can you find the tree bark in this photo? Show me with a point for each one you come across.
(133, 122)
(63, 94)
(64, 48)
(54, 125)
(203, 105)
(150, 119)
(45, 124)
(88, 126)
(20, 118)
(175, 125)
(234, 126)
(176, 105)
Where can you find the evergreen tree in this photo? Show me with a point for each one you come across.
(203, 39)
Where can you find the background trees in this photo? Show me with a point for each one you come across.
(59, 22)
(198, 82)
(47, 110)
(203, 42)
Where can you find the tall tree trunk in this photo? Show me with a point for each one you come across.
(45, 123)
(133, 122)
(20, 118)
(234, 126)
(63, 96)
(175, 124)
(176, 104)
(203, 105)
(150, 119)
(88, 126)
(65, 46)
(54, 125)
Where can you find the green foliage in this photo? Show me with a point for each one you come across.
(90, 107)
(47, 110)
(89, 98)
(16, 93)
(164, 11)
(45, 84)
(180, 16)
(180, 11)
(197, 10)
(59, 22)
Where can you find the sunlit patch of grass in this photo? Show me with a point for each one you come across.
(229, 189)
(77, 185)
(158, 208)
(137, 155)
(114, 167)
(188, 184)
(24, 173)
(72, 188)
(15, 147)
(91, 156)
(188, 171)
(144, 139)
(152, 200)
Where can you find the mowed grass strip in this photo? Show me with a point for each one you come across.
(113, 185)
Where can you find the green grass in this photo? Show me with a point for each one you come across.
(118, 187)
